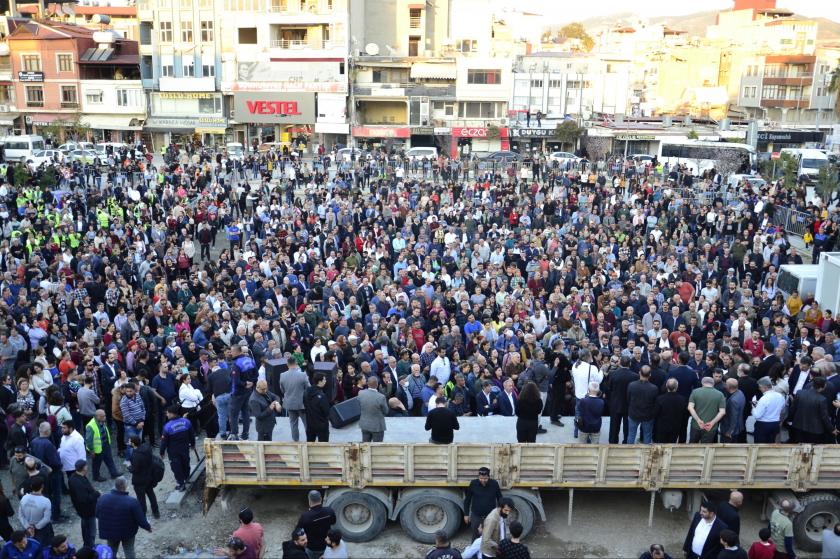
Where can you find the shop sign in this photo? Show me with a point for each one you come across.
(442, 131)
(186, 122)
(790, 136)
(635, 137)
(185, 95)
(30, 76)
(274, 108)
(381, 132)
(533, 132)
(469, 132)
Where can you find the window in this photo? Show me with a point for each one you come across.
(188, 65)
(212, 105)
(31, 62)
(414, 46)
(5, 94)
(552, 84)
(94, 97)
(484, 77)
(34, 96)
(186, 31)
(208, 71)
(612, 69)
(128, 97)
(69, 97)
(165, 35)
(771, 92)
(414, 18)
(466, 45)
(247, 35)
(65, 62)
(536, 83)
(447, 107)
(476, 109)
(206, 31)
(167, 66)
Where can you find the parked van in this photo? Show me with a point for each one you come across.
(236, 151)
(20, 148)
(420, 153)
(810, 162)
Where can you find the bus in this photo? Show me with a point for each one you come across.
(700, 156)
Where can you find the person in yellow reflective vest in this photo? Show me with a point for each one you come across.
(103, 218)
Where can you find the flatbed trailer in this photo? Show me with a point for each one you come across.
(422, 484)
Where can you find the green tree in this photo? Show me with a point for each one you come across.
(692, 135)
(834, 87)
(577, 31)
(21, 174)
(827, 181)
(568, 132)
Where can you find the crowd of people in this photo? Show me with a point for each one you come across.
(141, 302)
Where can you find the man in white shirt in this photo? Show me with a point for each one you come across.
(71, 449)
(767, 412)
(703, 538)
(441, 367)
(583, 372)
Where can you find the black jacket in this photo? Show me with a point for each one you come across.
(292, 551)
(809, 412)
(141, 466)
(670, 416)
(317, 409)
(616, 388)
(712, 546)
(316, 522)
(480, 500)
(641, 398)
(442, 422)
(83, 495)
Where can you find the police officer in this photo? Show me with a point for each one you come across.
(178, 438)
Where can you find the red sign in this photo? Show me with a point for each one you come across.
(384, 132)
(273, 107)
(775, 155)
(469, 132)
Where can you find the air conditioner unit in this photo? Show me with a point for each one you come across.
(4, 108)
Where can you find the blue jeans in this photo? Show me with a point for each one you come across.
(577, 414)
(131, 431)
(222, 412)
(647, 431)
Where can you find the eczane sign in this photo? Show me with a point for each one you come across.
(274, 108)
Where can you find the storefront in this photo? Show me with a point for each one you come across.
(634, 144)
(124, 129)
(374, 137)
(288, 118)
(182, 117)
(539, 139)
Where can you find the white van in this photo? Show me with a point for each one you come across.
(20, 148)
(810, 162)
(420, 153)
(236, 151)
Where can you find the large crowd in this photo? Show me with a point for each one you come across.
(141, 301)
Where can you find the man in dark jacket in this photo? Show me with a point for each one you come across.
(120, 516)
(670, 414)
(616, 385)
(295, 548)
(703, 542)
(316, 522)
(177, 438)
(264, 407)
(44, 450)
(84, 497)
(317, 411)
(442, 422)
(641, 406)
(141, 475)
(809, 414)
(482, 496)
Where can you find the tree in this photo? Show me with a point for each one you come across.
(828, 181)
(568, 132)
(834, 87)
(596, 147)
(577, 31)
(729, 162)
(692, 135)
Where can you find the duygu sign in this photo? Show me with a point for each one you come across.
(274, 108)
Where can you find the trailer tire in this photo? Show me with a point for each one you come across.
(426, 514)
(523, 513)
(821, 510)
(359, 516)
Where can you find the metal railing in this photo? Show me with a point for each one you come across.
(299, 44)
(297, 7)
(792, 221)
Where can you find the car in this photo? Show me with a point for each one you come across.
(563, 157)
(642, 157)
(753, 180)
(83, 155)
(265, 147)
(346, 154)
(504, 156)
(47, 156)
(421, 152)
(71, 146)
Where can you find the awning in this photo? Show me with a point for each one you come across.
(432, 71)
(113, 122)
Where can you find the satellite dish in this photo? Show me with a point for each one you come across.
(371, 49)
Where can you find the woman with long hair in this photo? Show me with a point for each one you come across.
(528, 410)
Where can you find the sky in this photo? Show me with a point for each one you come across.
(567, 10)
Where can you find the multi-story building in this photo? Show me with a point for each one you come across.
(9, 121)
(115, 15)
(54, 64)
(280, 59)
(180, 59)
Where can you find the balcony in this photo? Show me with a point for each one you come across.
(302, 7)
(415, 22)
(309, 45)
(798, 79)
(69, 105)
(784, 103)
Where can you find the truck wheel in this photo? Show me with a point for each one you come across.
(359, 516)
(426, 514)
(524, 513)
(822, 510)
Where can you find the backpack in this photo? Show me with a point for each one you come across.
(158, 469)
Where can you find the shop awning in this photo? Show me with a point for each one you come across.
(113, 122)
(432, 71)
